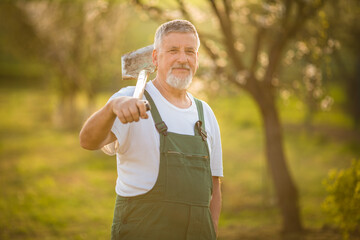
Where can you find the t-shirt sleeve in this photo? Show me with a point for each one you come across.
(214, 141)
(119, 129)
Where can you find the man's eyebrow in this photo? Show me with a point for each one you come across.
(177, 48)
(190, 48)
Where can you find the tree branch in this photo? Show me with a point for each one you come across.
(288, 33)
(288, 6)
(228, 10)
(159, 12)
(258, 41)
(216, 11)
(228, 35)
(184, 12)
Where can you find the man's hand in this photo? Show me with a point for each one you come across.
(129, 109)
(215, 204)
(96, 131)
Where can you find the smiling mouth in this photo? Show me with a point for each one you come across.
(181, 68)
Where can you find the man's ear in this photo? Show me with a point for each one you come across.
(197, 60)
(155, 58)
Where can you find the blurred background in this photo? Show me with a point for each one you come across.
(282, 76)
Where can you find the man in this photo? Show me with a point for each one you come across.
(169, 162)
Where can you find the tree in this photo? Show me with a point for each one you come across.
(76, 40)
(343, 16)
(272, 27)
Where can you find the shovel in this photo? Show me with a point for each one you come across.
(138, 65)
(135, 65)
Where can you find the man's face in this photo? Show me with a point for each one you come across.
(177, 59)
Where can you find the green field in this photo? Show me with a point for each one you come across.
(53, 189)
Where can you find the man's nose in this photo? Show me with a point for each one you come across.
(182, 57)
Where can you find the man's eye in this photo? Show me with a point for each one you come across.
(190, 52)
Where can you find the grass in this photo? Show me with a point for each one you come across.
(249, 201)
(52, 189)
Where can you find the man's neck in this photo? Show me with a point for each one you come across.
(178, 98)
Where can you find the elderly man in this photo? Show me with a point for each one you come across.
(169, 162)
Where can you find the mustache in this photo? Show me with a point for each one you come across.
(180, 66)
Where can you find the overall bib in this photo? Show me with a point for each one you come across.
(177, 207)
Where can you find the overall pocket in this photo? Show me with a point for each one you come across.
(188, 178)
(126, 221)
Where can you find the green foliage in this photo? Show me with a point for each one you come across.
(52, 189)
(343, 200)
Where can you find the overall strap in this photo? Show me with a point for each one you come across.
(200, 110)
(159, 123)
(200, 125)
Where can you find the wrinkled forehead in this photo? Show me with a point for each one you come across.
(175, 27)
(179, 40)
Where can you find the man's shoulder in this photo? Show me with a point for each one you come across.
(126, 91)
(206, 106)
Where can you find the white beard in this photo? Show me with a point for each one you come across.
(177, 82)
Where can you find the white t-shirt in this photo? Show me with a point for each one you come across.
(138, 154)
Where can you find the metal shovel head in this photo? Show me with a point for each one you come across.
(132, 63)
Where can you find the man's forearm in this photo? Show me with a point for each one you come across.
(96, 130)
(215, 204)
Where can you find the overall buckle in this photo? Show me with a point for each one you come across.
(201, 131)
(161, 128)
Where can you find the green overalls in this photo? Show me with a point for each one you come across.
(177, 207)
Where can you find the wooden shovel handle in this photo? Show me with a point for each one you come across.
(140, 87)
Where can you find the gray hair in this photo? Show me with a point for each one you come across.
(175, 26)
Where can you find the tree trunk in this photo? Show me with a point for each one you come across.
(353, 96)
(66, 115)
(286, 191)
(352, 87)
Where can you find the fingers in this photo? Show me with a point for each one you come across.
(142, 109)
(130, 115)
(130, 109)
(147, 105)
